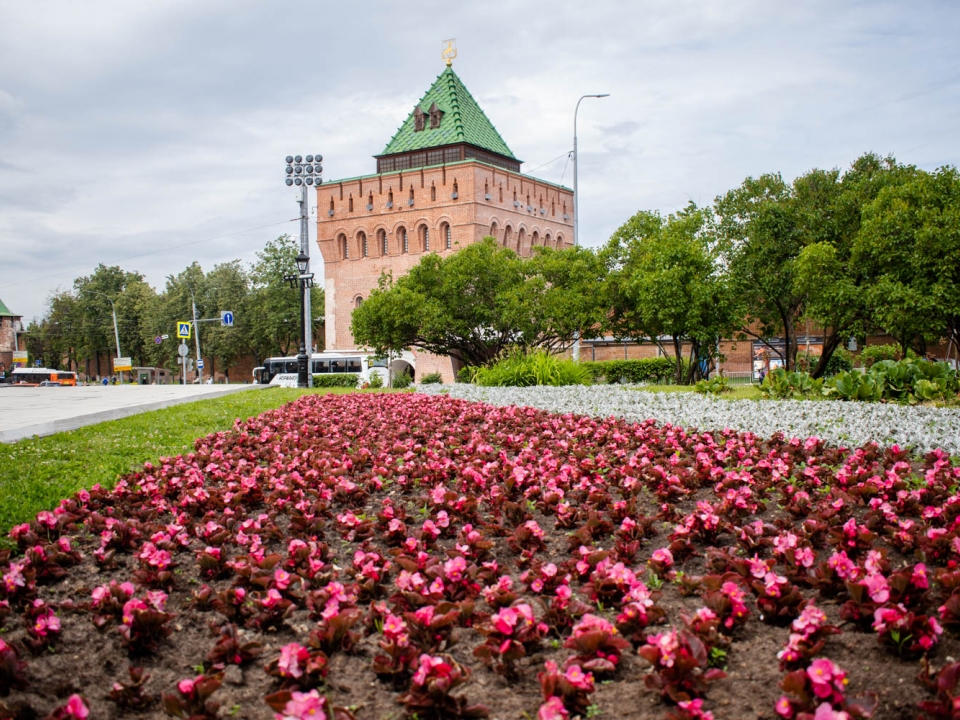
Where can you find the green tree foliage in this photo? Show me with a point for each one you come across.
(476, 303)
(274, 307)
(665, 280)
(909, 249)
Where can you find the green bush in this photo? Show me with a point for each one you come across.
(634, 372)
(875, 353)
(345, 380)
(465, 374)
(431, 379)
(714, 386)
(910, 380)
(780, 384)
(537, 368)
(840, 361)
(401, 380)
(376, 380)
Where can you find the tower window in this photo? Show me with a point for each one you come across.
(363, 245)
(419, 119)
(448, 236)
(410, 199)
(351, 203)
(390, 199)
(330, 212)
(493, 230)
(344, 247)
(370, 202)
(456, 193)
(404, 242)
(382, 241)
(425, 237)
(433, 192)
(501, 193)
(358, 301)
(436, 115)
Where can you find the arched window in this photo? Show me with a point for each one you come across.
(507, 236)
(447, 235)
(433, 192)
(535, 240)
(358, 301)
(351, 203)
(521, 240)
(425, 238)
(456, 192)
(344, 246)
(546, 240)
(390, 199)
(382, 241)
(330, 212)
(493, 230)
(402, 237)
(559, 240)
(363, 244)
(370, 202)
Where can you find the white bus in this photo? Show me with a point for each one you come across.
(333, 362)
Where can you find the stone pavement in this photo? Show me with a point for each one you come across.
(28, 411)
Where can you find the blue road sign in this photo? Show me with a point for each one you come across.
(200, 364)
(158, 340)
(226, 318)
(183, 330)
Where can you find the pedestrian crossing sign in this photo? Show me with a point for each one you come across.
(183, 330)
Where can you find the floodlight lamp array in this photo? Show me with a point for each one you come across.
(304, 170)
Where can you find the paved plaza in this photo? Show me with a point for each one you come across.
(28, 411)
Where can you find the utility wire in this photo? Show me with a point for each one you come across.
(547, 163)
(151, 252)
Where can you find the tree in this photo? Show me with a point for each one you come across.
(471, 306)
(566, 288)
(835, 288)
(909, 246)
(227, 288)
(665, 280)
(94, 294)
(274, 307)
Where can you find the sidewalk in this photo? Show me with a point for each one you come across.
(28, 411)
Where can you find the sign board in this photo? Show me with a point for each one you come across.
(20, 356)
(200, 364)
(183, 350)
(122, 364)
(158, 339)
(226, 318)
(285, 380)
(183, 330)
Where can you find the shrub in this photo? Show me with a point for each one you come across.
(645, 370)
(537, 368)
(713, 386)
(376, 380)
(875, 353)
(840, 361)
(431, 379)
(345, 380)
(910, 380)
(465, 374)
(780, 384)
(401, 380)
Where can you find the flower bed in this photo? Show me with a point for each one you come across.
(391, 555)
(920, 427)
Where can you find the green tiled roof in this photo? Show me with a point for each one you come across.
(463, 121)
(5, 311)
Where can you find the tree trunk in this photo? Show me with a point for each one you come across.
(830, 343)
(678, 354)
(790, 340)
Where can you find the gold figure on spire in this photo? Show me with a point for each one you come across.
(449, 51)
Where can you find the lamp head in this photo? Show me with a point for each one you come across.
(302, 261)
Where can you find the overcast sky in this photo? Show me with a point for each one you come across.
(152, 134)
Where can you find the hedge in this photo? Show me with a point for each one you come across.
(646, 370)
(344, 380)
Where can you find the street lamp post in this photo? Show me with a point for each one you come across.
(576, 198)
(303, 174)
(304, 280)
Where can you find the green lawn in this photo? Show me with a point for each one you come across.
(736, 392)
(36, 473)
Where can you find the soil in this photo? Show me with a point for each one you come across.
(88, 661)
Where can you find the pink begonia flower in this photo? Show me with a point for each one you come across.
(663, 556)
(804, 557)
(553, 709)
(695, 709)
(430, 665)
(186, 686)
(47, 624)
(822, 673)
(76, 708)
(304, 706)
(877, 588)
(579, 679)
(810, 620)
(454, 569)
(783, 707)
(292, 656)
(825, 711)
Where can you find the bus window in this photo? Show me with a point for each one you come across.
(321, 366)
(378, 363)
(337, 365)
(353, 365)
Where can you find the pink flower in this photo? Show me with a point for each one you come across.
(292, 656)
(877, 588)
(186, 686)
(783, 707)
(304, 706)
(579, 679)
(553, 709)
(76, 708)
(826, 712)
(663, 556)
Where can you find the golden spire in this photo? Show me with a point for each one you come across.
(449, 51)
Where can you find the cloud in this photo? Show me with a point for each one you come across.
(133, 128)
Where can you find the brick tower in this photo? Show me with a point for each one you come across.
(445, 180)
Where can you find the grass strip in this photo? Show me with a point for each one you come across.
(36, 473)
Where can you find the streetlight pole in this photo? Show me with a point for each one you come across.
(304, 280)
(196, 335)
(303, 174)
(576, 198)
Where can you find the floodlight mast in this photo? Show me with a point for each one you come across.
(302, 175)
